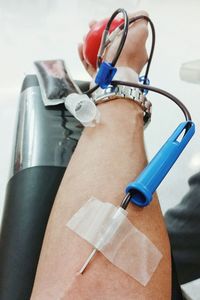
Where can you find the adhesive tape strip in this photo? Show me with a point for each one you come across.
(107, 228)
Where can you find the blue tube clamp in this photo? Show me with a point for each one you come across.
(105, 74)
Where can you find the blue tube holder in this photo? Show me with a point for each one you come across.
(105, 74)
(146, 183)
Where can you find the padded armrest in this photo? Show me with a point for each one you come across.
(45, 140)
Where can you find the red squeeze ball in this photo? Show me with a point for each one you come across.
(93, 39)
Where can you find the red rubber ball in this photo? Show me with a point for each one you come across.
(93, 39)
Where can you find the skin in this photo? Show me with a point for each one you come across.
(106, 158)
(134, 54)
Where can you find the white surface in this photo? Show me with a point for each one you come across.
(191, 290)
(45, 29)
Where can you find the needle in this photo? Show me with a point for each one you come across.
(123, 205)
(92, 254)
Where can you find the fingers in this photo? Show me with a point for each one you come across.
(134, 46)
(140, 25)
(88, 67)
(140, 13)
(80, 52)
(139, 28)
(92, 23)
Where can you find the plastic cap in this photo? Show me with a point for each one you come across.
(83, 109)
(143, 81)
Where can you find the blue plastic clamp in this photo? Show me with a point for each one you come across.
(141, 79)
(144, 186)
(105, 74)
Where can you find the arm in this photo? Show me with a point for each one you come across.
(106, 159)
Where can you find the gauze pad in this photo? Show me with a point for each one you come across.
(107, 228)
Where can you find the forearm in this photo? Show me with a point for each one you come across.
(106, 159)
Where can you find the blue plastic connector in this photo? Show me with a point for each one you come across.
(145, 185)
(105, 74)
(141, 79)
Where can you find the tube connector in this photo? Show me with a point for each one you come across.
(83, 109)
(113, 34)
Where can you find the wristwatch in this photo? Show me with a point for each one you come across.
(126, 92)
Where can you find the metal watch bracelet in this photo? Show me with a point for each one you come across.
(126, 92)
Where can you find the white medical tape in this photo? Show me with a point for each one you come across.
(108, 229)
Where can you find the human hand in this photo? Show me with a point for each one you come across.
(133, 55)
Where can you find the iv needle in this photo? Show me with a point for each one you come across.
(109, 230)
(88, 260)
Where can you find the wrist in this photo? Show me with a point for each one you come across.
(133, 97)
(117, 113)
(123, 73)
(126, 74)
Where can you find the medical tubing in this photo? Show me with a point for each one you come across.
(158, 91)
(134, 19)
(124, 33)
(125, 202)
(137, 85)
(153, 89)
(124, 27)
(123, 38)
(152, 43)
(102, 47)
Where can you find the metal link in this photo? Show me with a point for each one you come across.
(126, 92)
